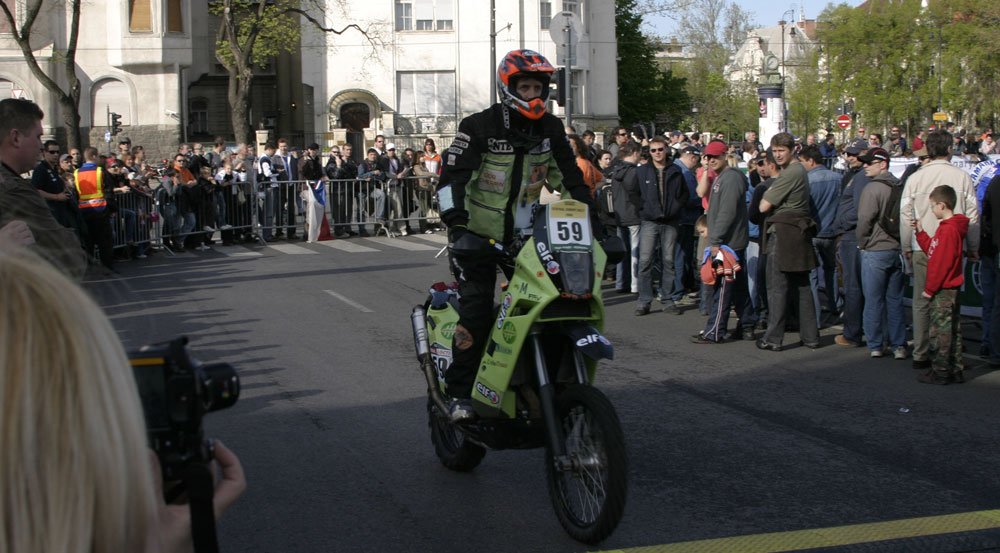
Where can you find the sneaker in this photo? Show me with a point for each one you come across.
(841, 340)
(899, 353)
(226, 227)
(701, 339)
(875, 353)
(748, 334)
(202, 248)
(643, 310)
(461, 410)
(403, 232)
(428, 231)
(761, 344)
(207, 228)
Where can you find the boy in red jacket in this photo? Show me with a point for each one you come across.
(944, 278)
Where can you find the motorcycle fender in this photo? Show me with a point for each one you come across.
(590, 341)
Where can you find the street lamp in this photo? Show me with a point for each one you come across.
(784, 110)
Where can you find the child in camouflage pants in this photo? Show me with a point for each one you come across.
(944, 279)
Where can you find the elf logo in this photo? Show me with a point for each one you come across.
(592, 339)
(487, 393)
(543, 252)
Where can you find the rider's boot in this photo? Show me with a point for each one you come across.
(461, 410)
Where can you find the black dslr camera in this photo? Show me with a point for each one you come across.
(177, 391)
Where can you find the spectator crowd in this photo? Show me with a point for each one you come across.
(805, 234)
(795, 236)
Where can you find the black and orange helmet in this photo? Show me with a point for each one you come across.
(518, 64)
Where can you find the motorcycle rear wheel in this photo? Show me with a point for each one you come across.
(589, 498)
(451, 445)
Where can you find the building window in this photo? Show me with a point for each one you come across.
(425, 15)
(198, 116)
(175, 17)
(544, 14)
(140, 16)
(404, 15)
(426, 92)
(571, 6)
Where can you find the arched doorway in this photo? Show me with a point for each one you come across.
(355, 117)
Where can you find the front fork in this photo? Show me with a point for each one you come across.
(547, 397)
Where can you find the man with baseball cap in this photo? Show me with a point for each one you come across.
(882, 277)
(850, 261)
(727, 226)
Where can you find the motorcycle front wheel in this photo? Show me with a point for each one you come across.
(451, 445)
(588, 491)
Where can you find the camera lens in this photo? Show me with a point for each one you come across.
(221, 386)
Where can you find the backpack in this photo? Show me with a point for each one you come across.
(889, 218)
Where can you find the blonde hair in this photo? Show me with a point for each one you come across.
(75, 473)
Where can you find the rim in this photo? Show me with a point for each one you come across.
(584, 486)
(451, 438)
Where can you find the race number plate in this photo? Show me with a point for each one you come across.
(569, 226)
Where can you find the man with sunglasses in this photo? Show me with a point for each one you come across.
(663, 192)
(51, 186)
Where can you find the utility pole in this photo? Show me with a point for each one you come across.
(567, 32)
(493, 51)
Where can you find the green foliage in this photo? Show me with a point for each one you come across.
(263, 31)
(806, 97)
(645, 92)
(901, 63)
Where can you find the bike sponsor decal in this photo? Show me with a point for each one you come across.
(552, 268)
(508, 332)
(441, 356)
(523, 287)
(487, 393)
(543, 252)
(448, 330)
(504, 306)
(593, 339)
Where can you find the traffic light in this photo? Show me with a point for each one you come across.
(561, 88)
(116, 123)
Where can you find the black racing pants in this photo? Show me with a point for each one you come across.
(476, 284)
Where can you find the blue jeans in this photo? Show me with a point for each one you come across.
(685, 266)
(882, 282)
(826, 253)
(854, 300)
(627, 274)
(652, 234)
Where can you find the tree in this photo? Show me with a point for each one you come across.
(69, 99)
(250, 33)
(644, 89)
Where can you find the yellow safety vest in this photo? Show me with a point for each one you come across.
(90, 187)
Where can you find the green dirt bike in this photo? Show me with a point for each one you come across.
(534, 384)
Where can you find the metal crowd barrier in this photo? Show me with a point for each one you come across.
(131, 221)
(180, 217)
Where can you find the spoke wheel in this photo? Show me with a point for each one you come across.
(588, 489)
(451, 445)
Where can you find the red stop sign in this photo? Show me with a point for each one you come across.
(844, 121)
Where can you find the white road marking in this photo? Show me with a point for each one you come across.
(350, 302)
(346, 246)
(439, 239)
(292, 249)
(402, 244)
(237, 251)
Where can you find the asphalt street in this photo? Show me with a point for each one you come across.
(723, 440)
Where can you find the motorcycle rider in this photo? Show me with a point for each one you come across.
(493, 175)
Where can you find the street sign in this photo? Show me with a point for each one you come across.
(558, 25)
(940, 116)
(844, 121)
